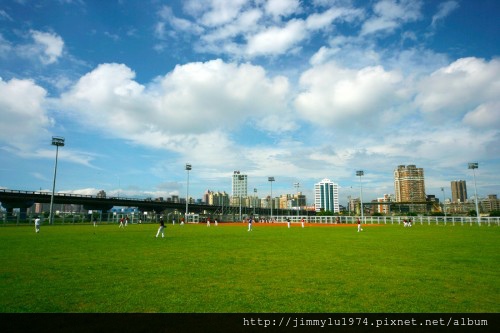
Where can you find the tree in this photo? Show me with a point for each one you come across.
(495, 213)
(437, 214)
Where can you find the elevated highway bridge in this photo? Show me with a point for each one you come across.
(11, 199)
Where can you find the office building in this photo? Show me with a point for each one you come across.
(326, 196)
(458, 191)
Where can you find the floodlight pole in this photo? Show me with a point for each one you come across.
(297, 185)
(222, 211)
(444, 207)
(58, 142)
(188, 168)
(474, 166)
(240, 177)
(360, 173)
(254, 200)
(271, 180)
(119, 185)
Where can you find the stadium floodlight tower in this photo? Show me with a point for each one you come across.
(271, 180)
(444, 207)
(254, 200)
(360, 173)
(473, 166)
(240, 178)
(297, 185)
(58, 142)
(188, 168)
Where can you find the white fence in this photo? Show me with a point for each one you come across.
(421, 220)
(84, 217)
(100, 217)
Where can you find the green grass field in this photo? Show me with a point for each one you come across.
(79, 268)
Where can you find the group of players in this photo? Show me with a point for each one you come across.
(407, 224)
(249, 220)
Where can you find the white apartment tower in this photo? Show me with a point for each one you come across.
(326, 196)
(240, 185)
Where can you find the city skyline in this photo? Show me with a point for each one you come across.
(295, 90)
(406, 179)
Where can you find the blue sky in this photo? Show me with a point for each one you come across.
(298, 90)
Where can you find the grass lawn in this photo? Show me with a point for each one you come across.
(79, 268)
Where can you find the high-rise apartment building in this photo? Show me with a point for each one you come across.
(240, 184)
(382, 208)
(490, 204)
(409, 184)
(458, 191)
(326, 196)
(216, 198)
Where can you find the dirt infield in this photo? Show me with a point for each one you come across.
(295, 225)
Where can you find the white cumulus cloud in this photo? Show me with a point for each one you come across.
(334, 96)
(277, 40)
(459, 87)
(49, 46)
(444, 10)
(175, 110)
(486, 115)
(391, 14)
(279, 8)
(24, 118)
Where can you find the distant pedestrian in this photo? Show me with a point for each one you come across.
(161, 228)
(37, 224)
(216, 222)
(208, 221)
(95, 221)
(359, 225)
(409, 223)
(288, 222)
(250, 223)
(121, 223)
(126, 221)
(302, 222)
(182, 221)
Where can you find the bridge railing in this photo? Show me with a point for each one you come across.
(17, 218)
(62, 194)
(47, 193)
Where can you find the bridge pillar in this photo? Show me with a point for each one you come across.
(9, 215)
(23, 206)
(23, 212)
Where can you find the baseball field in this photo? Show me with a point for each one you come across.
(200, 269)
